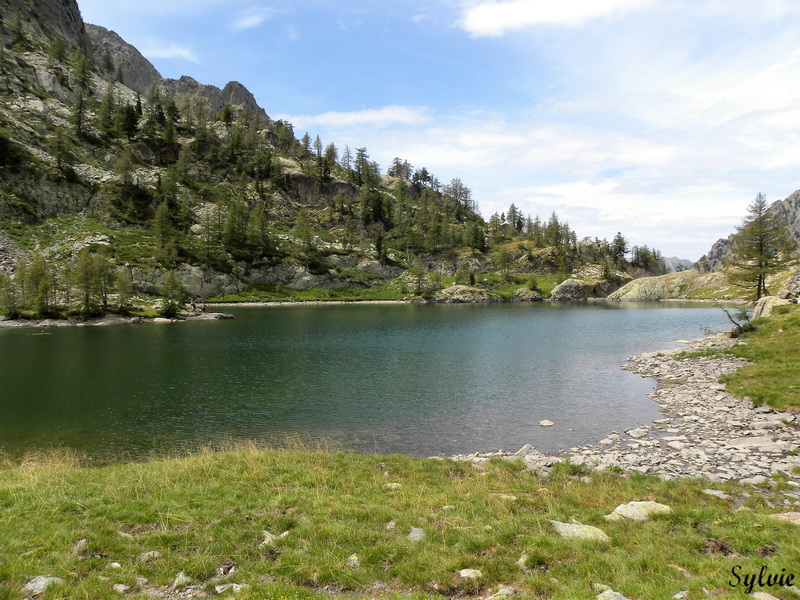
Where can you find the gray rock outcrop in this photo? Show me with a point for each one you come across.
(45, 17)
(671, 285)
(582, 289)
(463, 293)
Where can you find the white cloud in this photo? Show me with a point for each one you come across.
(160, 50)
(252, 18)
(494, 18)
(373, 117)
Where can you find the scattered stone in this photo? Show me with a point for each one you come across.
(114, 565)
(392, 486)
(763, 596)
(503, 591)
(353, 561)
(149, 556)
(578, 531)
(80, 547)
(470, 574)
(391, 526)
(611, 595)
(637, 433)
(637, 511)
(181, 580)
(121, 588)
(684, 595)
(270, 539)
(546, 423)
(790, 517)
(39, 584)
(717, 493)
(233, 587)
(522, 562)
(416, 534)
(756, 480)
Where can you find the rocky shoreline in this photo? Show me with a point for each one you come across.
(705, 431)
(107, 320)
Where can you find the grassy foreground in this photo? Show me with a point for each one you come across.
(211, 510)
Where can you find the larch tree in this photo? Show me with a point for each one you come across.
(762, 247)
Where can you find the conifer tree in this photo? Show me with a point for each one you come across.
(761, 247)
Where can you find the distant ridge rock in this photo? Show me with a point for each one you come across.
(673, 264)
(721, 251)
(133, 69)
(187, 89)
(138, 73)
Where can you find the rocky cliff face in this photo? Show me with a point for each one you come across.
(44, 17)
(130, 67)
(788, 209)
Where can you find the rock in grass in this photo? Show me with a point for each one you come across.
(79, 549)
(416, 534)
(470, 574)
(790, 517)
(353, 561)
(611, 595)
(503, 592)
(580, 532)
(637, 511)
(121, 588)
(181, 580)
(764, 596)
(270, 538)
(39, 584)
(149, 556)
(392, 486)
(233, 587)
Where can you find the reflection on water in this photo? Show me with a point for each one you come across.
(423, 380)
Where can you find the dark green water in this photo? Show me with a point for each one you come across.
(420, 380)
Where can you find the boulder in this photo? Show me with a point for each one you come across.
(39, 584)
(637, 511)
(766, 305)
(526, 295)
(580, 532)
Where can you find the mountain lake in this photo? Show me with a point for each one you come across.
(415, 379)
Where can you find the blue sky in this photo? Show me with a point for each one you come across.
(661, 119)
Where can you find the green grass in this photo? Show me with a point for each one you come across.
(774, 346)
(211, 508)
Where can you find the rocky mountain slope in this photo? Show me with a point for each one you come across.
(788, 209)
(170, 178)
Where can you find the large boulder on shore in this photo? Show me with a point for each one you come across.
(464, 293)
(582, 289)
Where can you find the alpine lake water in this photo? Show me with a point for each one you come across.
(415, 379)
